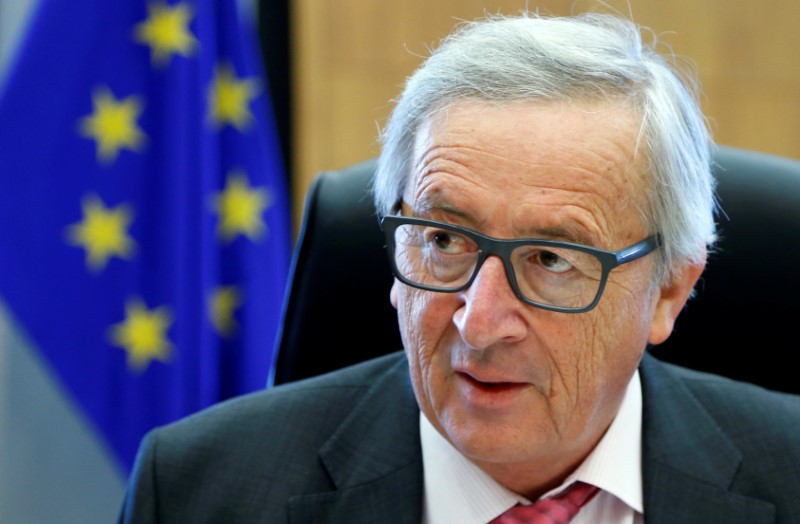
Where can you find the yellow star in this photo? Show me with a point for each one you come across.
(240, 208)
(143, 334)
(102, 232)
(166, 31)
(223, 302)
(113, 124)
(230, 99)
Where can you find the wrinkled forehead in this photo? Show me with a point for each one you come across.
(536, 132)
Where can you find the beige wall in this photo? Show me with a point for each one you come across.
(351, 56)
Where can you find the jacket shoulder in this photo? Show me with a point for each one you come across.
(714, 433)
(311, 407)
(743, 407)
(243, 458)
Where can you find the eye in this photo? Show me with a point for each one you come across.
(552, 262)
(447, 242)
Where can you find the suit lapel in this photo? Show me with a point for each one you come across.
(374, 460)
(689, 463)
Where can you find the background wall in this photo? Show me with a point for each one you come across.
(350, 58)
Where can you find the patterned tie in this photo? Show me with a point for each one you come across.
(554, 510)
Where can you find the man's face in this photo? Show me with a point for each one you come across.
(519, 390)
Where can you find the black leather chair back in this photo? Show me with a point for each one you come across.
(740, 324)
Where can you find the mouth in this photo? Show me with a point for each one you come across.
(490, 386)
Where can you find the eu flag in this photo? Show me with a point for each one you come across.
(145, 233)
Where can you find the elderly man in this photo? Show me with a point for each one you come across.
(545, 190)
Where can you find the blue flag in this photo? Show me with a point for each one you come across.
(145, 230)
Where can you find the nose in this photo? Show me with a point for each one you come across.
(491, 312)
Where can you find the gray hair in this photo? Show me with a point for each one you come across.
(589, 56)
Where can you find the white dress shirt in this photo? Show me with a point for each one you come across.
(456, 490)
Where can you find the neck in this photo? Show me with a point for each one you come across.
(534, 478)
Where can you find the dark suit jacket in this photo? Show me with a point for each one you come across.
(345, 448)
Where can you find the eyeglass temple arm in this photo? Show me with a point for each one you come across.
(638, 250)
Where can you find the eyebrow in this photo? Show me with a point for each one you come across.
(425, 207)
(565, 234)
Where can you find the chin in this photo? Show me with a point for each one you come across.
(495, 442)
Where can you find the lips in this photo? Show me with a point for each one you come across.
(489, 385)
(484, 393)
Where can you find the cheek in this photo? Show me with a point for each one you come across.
(423, 316)
(425, 319)
(410, 307)
(577, 358)
(620, 331)
(598, 350)
(590, 361)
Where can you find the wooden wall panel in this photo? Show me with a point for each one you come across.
(350, 58)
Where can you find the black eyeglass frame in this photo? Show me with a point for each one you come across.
(503, 248)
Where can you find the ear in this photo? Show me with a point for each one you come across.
(393, 293)
(672, 297)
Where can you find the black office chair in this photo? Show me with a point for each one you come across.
(740, 324)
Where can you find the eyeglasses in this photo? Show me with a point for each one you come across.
(549, 274)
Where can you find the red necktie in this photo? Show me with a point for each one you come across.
(554, 510)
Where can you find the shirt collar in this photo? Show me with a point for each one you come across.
(456, 490)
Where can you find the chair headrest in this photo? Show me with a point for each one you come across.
(337, 309)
